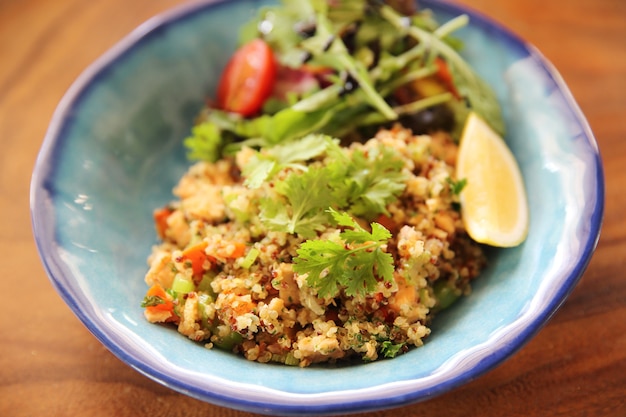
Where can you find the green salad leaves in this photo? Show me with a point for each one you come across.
(365, 51)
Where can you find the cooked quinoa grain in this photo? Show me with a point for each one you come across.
(226, 275)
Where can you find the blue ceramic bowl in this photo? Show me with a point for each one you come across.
(113, 153)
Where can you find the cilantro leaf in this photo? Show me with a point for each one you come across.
(257, 170)
(361, 183)
(355, 266)
(263, 165)
(321, 259)
(356, 233)
(308, 196)
(373, 181)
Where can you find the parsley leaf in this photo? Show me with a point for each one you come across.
(356, 265)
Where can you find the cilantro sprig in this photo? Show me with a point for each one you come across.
(372, 181)
(302, 211)
(317, 173)
(354, 265)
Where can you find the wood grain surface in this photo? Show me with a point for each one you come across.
(51, 365)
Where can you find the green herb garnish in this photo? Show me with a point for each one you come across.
(307, 195)
(355, 264)
(358, 182)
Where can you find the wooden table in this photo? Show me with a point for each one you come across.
(51, 365)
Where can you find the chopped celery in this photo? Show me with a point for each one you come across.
(286, 358)
(203, 301)
(250, 258)
(182, 285)
(205, 284)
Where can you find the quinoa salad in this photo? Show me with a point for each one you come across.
(319, 220)
(238, 278)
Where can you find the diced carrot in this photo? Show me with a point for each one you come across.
(160, 220)
(158, 291)
(197, 256)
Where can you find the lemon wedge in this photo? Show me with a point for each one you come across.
(494, 206)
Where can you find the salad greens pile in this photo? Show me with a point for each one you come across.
(356, 62)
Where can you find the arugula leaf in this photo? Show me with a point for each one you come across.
(280, 27)
(475, 90)
(355, 266)
(371, 51)
(289, 124)
(338, 57)
(216, 131)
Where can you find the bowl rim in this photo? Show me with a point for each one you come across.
(289, 403)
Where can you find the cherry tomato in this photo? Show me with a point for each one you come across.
(248, 79)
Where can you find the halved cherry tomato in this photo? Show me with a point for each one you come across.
(248, 79)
